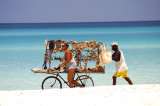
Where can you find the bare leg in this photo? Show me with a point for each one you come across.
(78, 84)
(114, 80)
(70, 78)
(128, 80)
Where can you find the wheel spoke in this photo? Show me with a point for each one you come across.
(85, 80)
(51, 82)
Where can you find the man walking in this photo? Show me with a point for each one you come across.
(121, 67)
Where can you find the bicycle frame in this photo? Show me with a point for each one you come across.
(66, 82)
(58, 75)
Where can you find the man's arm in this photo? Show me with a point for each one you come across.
(116, 56)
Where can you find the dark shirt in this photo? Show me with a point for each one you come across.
(116, 56)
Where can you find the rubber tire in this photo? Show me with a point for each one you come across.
(89, 78)
(42, 86)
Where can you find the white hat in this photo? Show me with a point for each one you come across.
(114, 43)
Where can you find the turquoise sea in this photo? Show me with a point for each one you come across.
(22, 48)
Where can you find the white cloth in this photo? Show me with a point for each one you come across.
(71, 65)
(121, 65)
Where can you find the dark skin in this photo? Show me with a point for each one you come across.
(115, 48)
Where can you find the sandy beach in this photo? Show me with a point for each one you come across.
(122, 95)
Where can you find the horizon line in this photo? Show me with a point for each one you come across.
(84, 22)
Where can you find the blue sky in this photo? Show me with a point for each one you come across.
(53, 11)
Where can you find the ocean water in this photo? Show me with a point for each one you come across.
(22, 48)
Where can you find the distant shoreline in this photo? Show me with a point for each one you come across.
(81, 24)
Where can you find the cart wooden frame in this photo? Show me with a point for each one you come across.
(82, 74)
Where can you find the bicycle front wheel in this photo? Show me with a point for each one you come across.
(85, 80)
(51, 82)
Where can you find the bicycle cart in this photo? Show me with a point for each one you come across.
(85, 54)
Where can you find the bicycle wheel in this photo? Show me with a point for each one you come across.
(85, 80)
(51, 82)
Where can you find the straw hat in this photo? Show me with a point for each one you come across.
(114, 43)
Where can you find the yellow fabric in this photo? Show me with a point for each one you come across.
(121, 74)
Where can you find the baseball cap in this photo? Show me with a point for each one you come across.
(114, 43)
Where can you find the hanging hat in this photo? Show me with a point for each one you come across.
(65, 43)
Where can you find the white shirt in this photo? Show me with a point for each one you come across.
(121, 65)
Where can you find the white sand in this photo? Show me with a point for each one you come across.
(122, 95)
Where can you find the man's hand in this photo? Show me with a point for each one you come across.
(61, 65)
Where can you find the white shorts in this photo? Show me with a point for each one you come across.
(71, 66)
